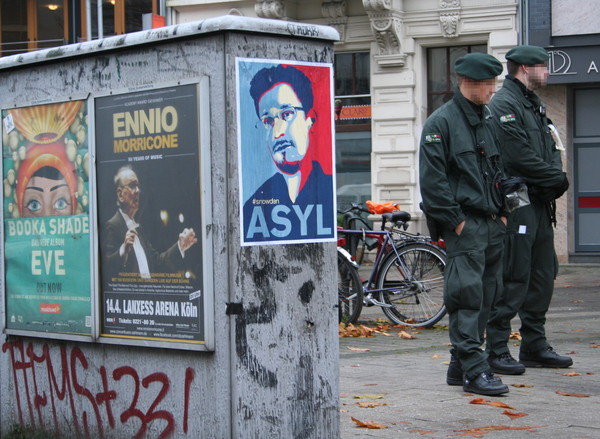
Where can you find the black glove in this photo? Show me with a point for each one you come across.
(547, 194)
(563, 187)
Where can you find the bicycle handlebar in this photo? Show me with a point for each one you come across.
(354, 207)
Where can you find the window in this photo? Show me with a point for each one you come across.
(32, 24)
(14, 27)
(441, 78)
(121, 16)
(353, 90)
(27, 25)
(353, 127)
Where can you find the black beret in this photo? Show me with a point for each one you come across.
(478, 66)
(528, 55)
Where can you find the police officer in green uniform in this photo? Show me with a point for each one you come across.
(458, 158)
(529, 150)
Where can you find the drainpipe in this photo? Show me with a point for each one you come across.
(88, 19)
(100, 23)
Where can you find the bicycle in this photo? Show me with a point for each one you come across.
(406, 279)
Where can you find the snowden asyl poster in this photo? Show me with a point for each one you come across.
(149, 214)
(285, 144)
(46, 222)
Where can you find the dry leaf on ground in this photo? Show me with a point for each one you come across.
(514, 415)
(480, 431)
(369, 396)
(368, 424)
(571, 374)
(370, 405)
(577, 395)
(406, 335)
(359, 349)
(492, 403)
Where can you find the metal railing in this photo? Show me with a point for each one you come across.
(7, 49)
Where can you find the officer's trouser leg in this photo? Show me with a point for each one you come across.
(518, 243)
(472, 281)
(541, 285)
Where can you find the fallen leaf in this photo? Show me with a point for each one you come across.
(436, 356)
(422, 431)
(343, 411)
(578, 330)
(577, 395)
(369, 396)
(522, 385)
(406, 335)
(514, 415)
(368, 424)
(350, 330)
(480, 431)
(589, 373)
(492, 403)
(571, 374)
(359, 349)
(515, 335)
(370, 405)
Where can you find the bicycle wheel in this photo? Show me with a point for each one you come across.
(413, 284)
(350, 291)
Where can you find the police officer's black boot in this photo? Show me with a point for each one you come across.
(544, 358)
(454, 376)
(485, 384)
(505, 364)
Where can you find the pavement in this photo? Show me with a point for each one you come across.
(404, 380)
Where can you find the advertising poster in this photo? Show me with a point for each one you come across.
(149, 214)
(46, 221)
(285, 144)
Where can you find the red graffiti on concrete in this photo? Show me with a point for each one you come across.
(45, 382)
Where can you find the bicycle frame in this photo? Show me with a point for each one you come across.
(406, 279)
(387, 243)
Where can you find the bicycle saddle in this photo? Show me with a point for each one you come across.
(394, 217)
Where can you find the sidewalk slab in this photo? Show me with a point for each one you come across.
(408, 376)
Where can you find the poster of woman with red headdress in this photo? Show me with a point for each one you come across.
(46, 221)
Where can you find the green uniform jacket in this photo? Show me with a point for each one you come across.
(527, 147)
(455, 177)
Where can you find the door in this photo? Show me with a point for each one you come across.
(586, 150)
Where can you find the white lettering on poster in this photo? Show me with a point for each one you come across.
(45, 262)
(56, 226)
(284, 216)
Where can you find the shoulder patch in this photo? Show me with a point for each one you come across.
(507, 118)
(433, 138)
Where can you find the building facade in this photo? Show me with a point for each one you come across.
(393, 67)
(568, 29)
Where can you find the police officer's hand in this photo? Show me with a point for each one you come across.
(458, 229)
(504, 220)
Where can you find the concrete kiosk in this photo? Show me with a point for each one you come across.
(241, 339)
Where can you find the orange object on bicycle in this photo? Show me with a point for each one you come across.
(374, 207)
